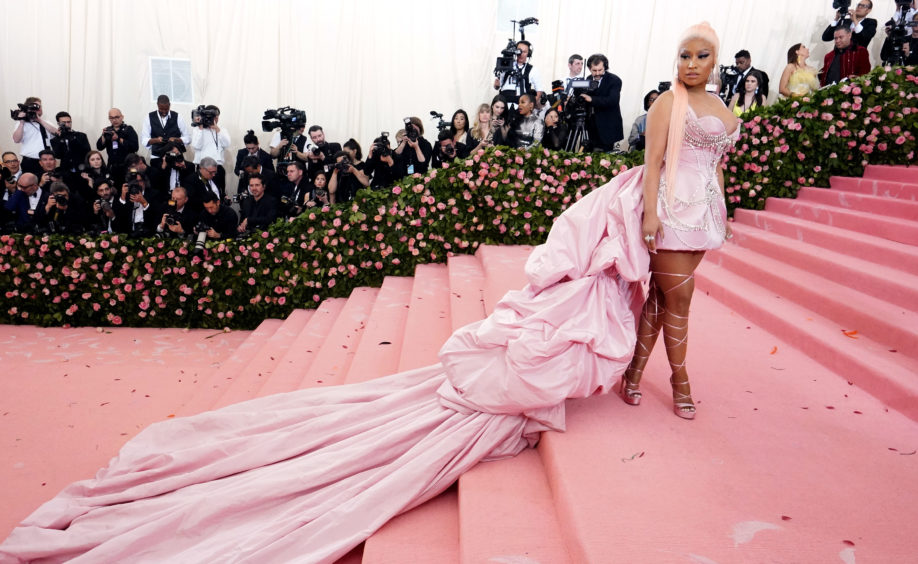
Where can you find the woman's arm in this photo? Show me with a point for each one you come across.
(785, 78)
(733, 101)
(656, 139)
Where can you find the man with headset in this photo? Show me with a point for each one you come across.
(522, 80)
(606, 121)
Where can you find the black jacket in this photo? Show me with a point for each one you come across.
(607, 115)
(264, 158)
(868, 30)
(224, 222)
(71, 150)
(127, 143)
(261, 213)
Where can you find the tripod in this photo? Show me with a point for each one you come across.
(579, 137)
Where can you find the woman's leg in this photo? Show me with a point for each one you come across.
(647, 332)
(674, 274)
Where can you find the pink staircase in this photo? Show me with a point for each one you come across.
(804, 366)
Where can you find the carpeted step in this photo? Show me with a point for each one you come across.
(427, 533)
(259, 370)
(908, 174)
(504, 270)
(873, 187)
(893, 285)
(779, 461)
(428, 324)
(879, 205)
(466, 290)
(860, 245)
(70, 398)
(229, 371)
(298, 357)
(873, 318)
(891, 228)
(329, 367)
(382, 341)
(885, 372)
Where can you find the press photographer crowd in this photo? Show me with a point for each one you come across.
(59, 183)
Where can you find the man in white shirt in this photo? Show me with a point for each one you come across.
(161, 127)
(209, 140)
(575, 68)
(33, 134)
(522, 79)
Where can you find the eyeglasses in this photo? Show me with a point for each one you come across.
(11, 161)
(115, 117)
(863, 6)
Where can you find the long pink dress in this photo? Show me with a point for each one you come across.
(306, 476)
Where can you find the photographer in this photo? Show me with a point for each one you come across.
(252, 150)
(210, 141)
(347, 176)
(202, 182)
(258, 211)
(119, 140)
(862, 28)
(164, 126)
(178, 219)
(92, 169)
(220, 220)
(171, 170)
(138, 212)
(287, 150)
(32, 133)
(24, 202)
(47, 165)
(521, 79)
(103, 209)
(413, 151)
(846, 61)
(901, 31)
(63, 212)
(299, 191)
(446, 150)
(71, 147)
(381, 165)
(274, 183)
(322, 152)
(606, 122)
(11, 173)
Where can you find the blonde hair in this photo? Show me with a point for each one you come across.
(705, 32)
(476, 127)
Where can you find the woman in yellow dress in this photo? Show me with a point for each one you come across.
(748, 96)
(798, 78)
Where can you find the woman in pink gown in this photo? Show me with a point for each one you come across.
(306, 476)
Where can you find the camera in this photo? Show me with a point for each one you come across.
(110, 131)
(342, 165)
(557, 93)
(172, 219)
(411, 130)
(61, 200)
(841, 6)
(135, 187)
(729, 77)
(206, 114)
(104, 206)
(286, 118)
(449, 151)
(200, 237)
(321, 193)
(508, 55)
(6, 174)
(441, 123)
(173, 159)
(82, 167)
(240, 197)
(664, 85)
(31, 112)
(381, 146)
(64, 132)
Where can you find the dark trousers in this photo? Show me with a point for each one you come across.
(28, 164)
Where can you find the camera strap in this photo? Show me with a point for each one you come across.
(44, 136)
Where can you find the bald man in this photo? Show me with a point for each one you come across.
(25, 200)
(118, 139)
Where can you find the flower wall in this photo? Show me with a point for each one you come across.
(497, 196)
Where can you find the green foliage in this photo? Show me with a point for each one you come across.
(497, 196)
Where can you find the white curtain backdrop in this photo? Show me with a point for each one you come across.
(358, 67)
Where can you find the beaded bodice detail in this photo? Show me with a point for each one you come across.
(694, 205)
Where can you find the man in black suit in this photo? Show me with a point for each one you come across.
(138, 211)
(119, 140)
(258, 210)
(252, 149)
(199, 183)
(71, 147)
(862, 28)
(606, 122)
(170, 171)
(743, 61)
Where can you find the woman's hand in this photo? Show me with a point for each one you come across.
(650, 229)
